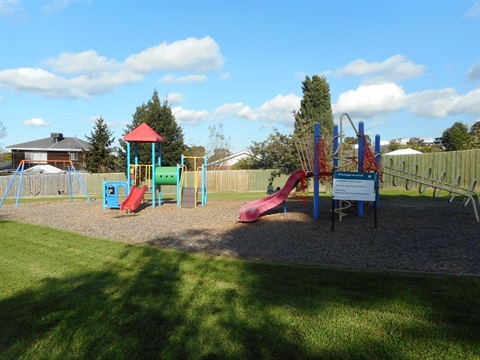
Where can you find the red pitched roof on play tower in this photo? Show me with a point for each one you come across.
(143, 133)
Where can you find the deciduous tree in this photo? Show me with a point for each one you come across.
(218, 145)
(3, 135)
(277, 152)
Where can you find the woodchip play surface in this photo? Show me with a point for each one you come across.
(424, 235)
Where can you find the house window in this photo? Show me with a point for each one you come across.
(73, 156)
(36, 156)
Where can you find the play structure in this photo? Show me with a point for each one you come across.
(143, 178)
(316, 162)
(21, 170)
(355, 175)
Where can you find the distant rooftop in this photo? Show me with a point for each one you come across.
(56, 142)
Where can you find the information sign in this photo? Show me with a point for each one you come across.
(354, 186)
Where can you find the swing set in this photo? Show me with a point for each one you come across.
(68, 164)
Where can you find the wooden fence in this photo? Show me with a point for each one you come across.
(47, 185)
(454, 163)
(463, 163)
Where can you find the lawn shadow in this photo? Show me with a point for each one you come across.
(159, 303)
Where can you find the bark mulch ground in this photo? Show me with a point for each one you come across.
(420, 235)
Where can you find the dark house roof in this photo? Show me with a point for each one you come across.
(56, 142)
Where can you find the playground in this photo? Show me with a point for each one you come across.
(413, 234)
(406, 234)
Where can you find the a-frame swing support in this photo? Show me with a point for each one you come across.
(21, 168)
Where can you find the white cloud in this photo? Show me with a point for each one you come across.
(444, 102)
(468, 104)
(97, 74)
(80, 63)
(171, 79)
(184, 116)
(44, 83)
(277, 110)
(191, 54)
(474, 11)
(92, 119)
(175, 98)
(116, 124)
(10, 7)
(58, 5)
(280, 108)
(393, 69)
(370, 100)
(300, 75)
(375, 100)
(36, 122)
(225, 76)
(38, 81)
(474, 72)
(13, 11)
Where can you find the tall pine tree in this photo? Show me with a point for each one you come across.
(315, 107)
(100, 157)
(160, 118)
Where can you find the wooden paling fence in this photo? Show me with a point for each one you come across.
(47, 185)
(465, 164)
(453, 164)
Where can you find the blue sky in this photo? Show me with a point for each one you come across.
(405, 68)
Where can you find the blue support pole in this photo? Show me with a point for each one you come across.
(81, 183)
(153, 174)
(378, 157)
(11, 183)
(316, 171)
(204, 181)
(129, 179)
(20, 184)
(336, 144)
(104, 195)
(361, 144)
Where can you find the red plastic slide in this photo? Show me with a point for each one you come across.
(252, 211)
(134, 199)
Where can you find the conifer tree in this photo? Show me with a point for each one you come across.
(456, 137)
(475, 135)
(315, 107)
(100, 157)
(160, 118)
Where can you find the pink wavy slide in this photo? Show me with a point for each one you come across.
(252, 211)
(134, 199)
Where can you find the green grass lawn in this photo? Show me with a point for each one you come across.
(65, 296)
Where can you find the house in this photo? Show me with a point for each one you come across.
(54, 150)
(227, 162)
